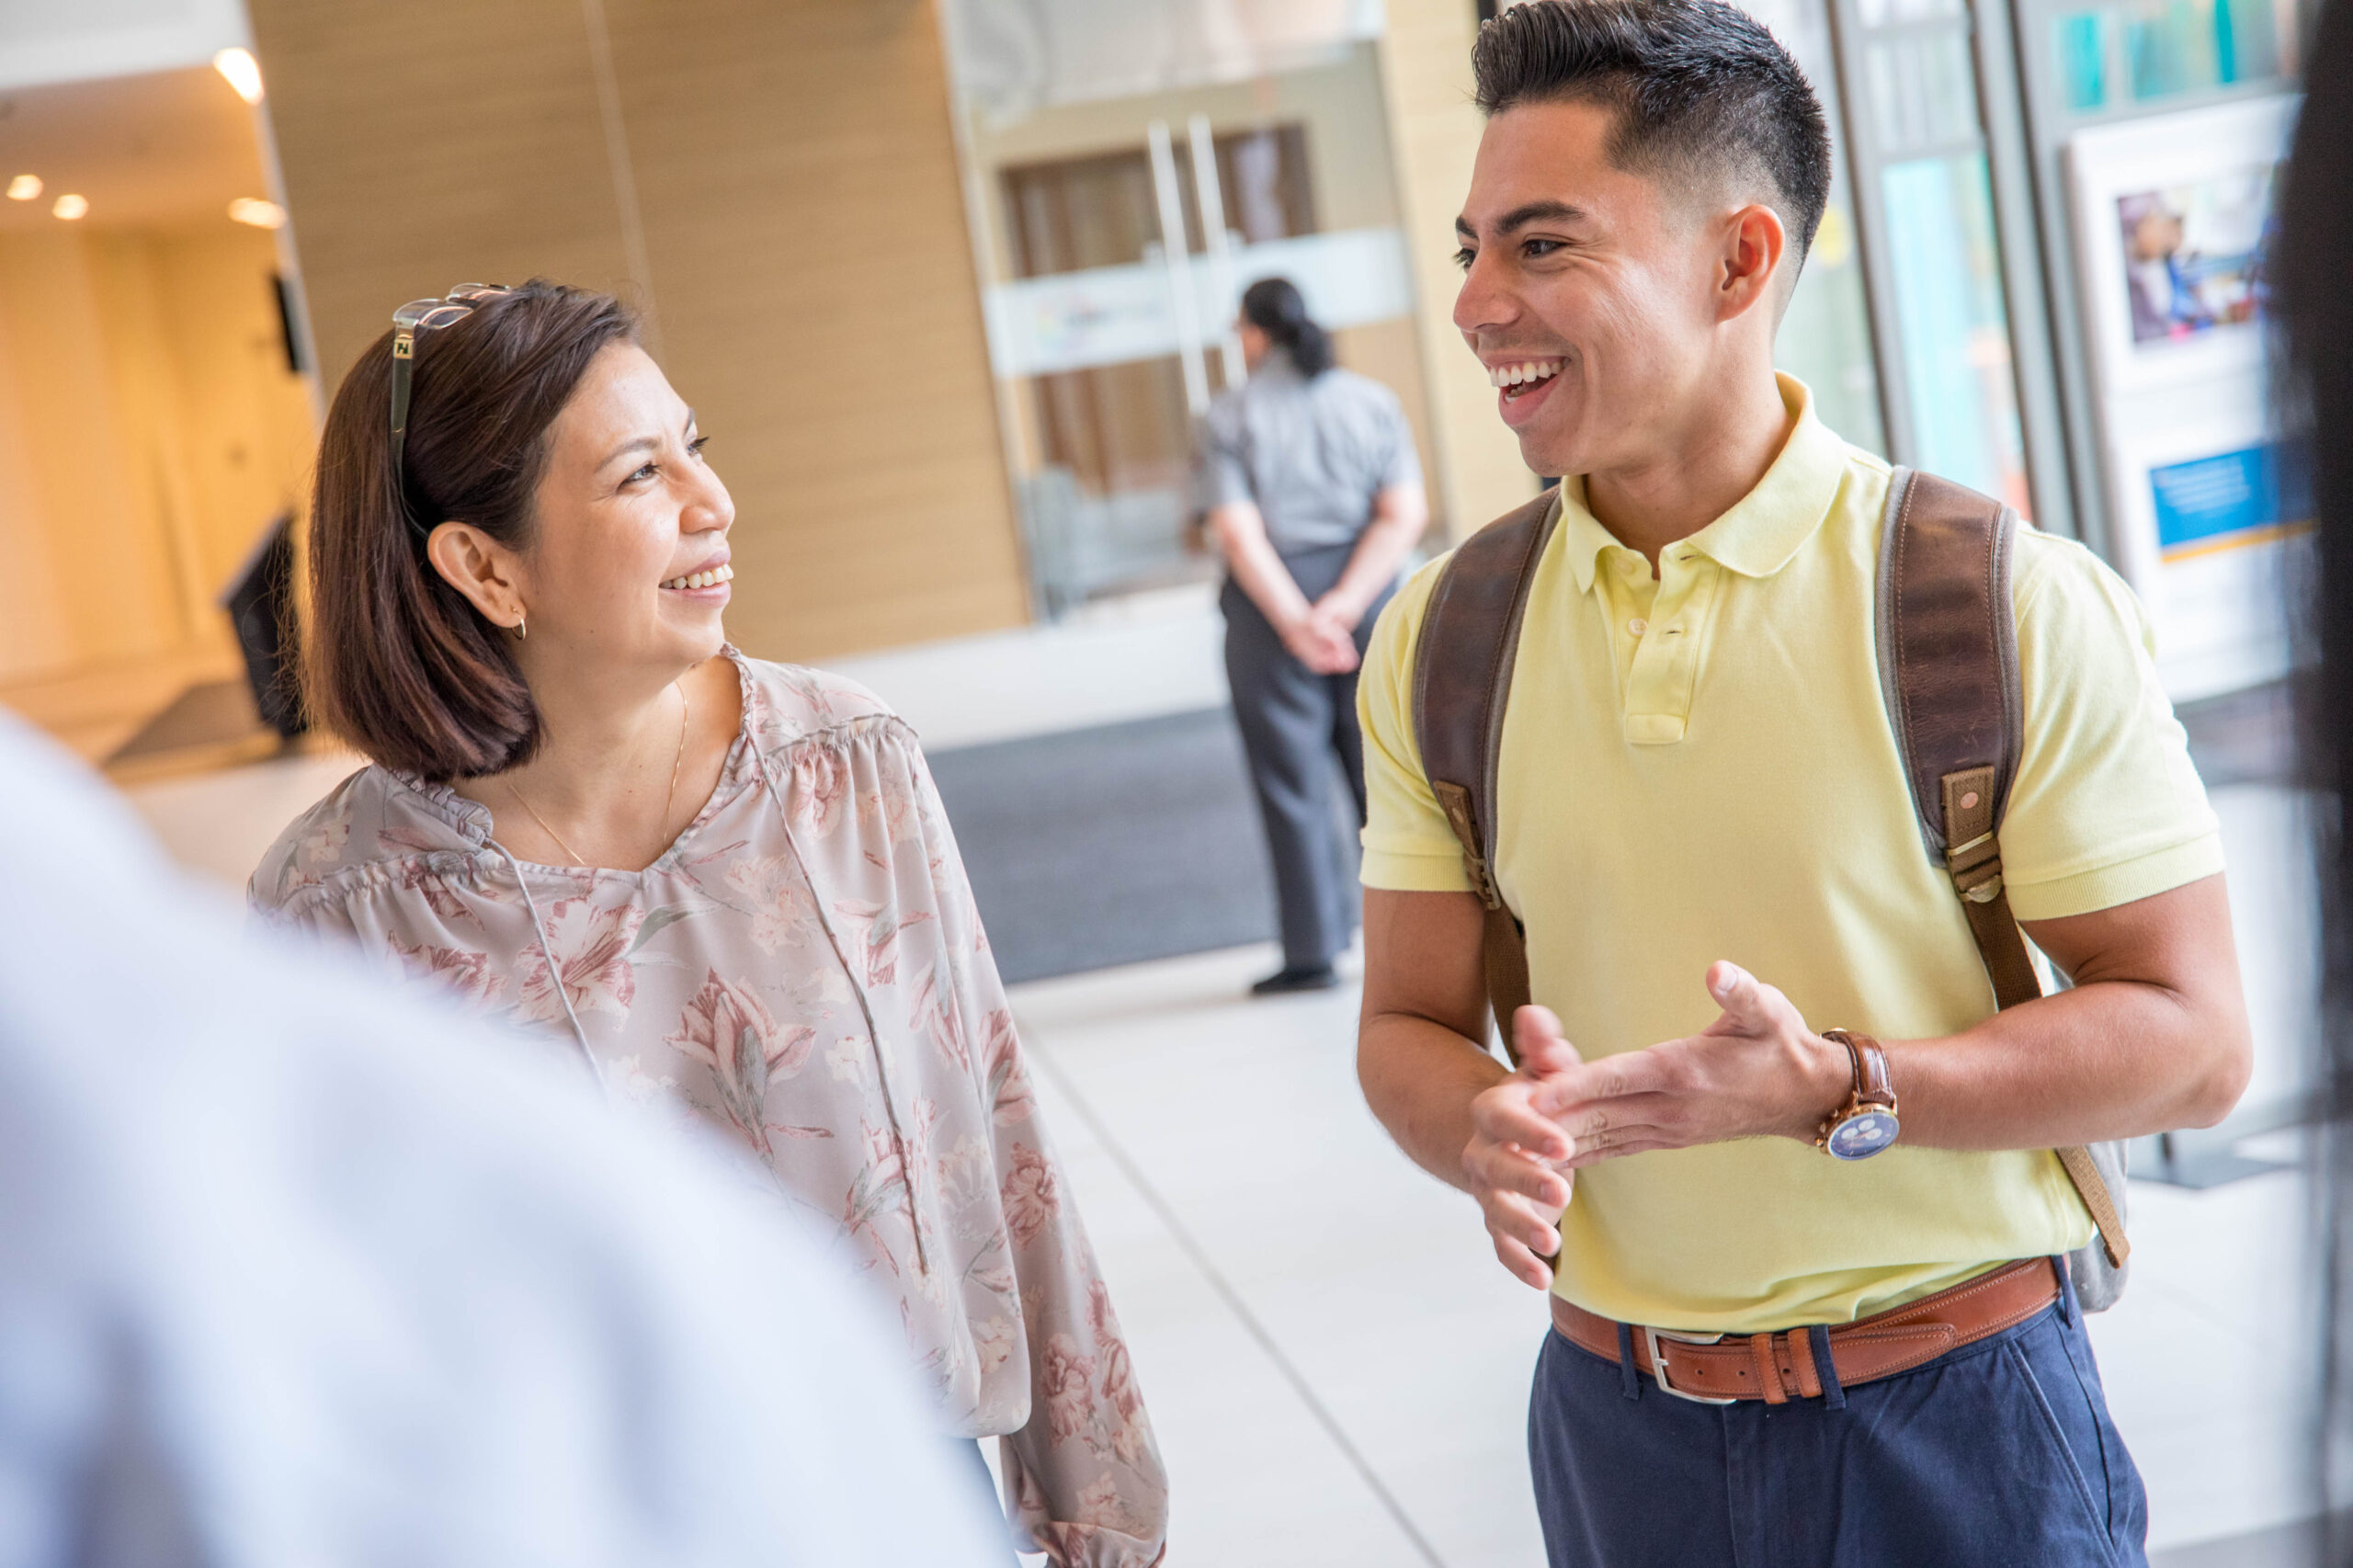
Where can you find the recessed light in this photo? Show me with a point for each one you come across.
(23, 187)
(241, 70)
(70, 207)
(260, 214)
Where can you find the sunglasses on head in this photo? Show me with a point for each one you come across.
(423, 315)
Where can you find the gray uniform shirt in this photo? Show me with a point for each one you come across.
(1310, 454)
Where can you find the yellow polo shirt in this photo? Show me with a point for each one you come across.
(1700, 766)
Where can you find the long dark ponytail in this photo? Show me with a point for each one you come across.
(1274, 306)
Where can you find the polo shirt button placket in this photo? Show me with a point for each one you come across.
(1658, 694)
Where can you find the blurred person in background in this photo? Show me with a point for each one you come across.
(1313, 495)
(295, 1270)
(727, 885)
(2312, 274)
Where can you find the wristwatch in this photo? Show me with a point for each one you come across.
(1866, 1124)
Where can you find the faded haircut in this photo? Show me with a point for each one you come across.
(1699, 87)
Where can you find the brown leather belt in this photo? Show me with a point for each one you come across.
(1721, 1369)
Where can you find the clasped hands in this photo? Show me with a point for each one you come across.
(1756, 1072)
(1325, 638)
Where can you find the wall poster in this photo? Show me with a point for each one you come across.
(2171, 215)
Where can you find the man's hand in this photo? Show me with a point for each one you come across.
(1756, 1072)
(1515, 1150)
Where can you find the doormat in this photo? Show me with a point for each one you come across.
(1112, 845)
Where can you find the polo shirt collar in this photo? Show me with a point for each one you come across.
(1765, 527)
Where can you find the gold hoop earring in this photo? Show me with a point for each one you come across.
(522, 627)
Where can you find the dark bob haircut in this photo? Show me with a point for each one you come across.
(402, 664)
(1698, 85)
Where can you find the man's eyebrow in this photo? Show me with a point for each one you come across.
(640, 444)
(1526, 213)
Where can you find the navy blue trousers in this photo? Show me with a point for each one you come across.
(1998, 1455)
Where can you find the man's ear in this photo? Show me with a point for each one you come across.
(479, 567)
(1749, 273)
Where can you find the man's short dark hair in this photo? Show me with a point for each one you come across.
(1697, 86)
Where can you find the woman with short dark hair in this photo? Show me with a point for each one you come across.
(728, 885)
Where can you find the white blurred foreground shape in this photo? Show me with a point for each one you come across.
(294, 1270)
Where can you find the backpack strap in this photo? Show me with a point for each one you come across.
(1462, 669)
(1949, 671)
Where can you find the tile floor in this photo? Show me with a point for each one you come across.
(1339, 1369)
(1336, 1367)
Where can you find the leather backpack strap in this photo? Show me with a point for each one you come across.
(1949, 665)
(1462, 669)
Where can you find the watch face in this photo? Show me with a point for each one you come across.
(1863, 1135)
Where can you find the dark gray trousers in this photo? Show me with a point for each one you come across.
(1295, 724)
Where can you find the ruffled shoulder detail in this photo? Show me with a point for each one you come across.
(374, 815)
(789, 703)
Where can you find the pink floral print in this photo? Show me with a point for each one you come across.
(816, 912)
(730, 1028)
(1031, 1202)
(1008, 1082)
(1066, 1378)
(781, 911)
(591, 948)
(467, 975)
(820, 787)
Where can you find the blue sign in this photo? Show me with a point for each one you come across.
(2209, 503)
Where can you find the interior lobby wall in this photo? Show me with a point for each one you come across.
(1434, 130)
(773, 179)
(149, 430)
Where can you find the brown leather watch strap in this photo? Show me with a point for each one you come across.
(1872, 1084)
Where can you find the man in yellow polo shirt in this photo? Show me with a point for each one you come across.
(1705, 823)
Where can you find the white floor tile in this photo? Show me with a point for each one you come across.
(1375, 1283)
(1373, 1280)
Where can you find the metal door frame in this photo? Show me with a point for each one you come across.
(2000, 136)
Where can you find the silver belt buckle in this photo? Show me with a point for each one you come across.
(1651, 1336)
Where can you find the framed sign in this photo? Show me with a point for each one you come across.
(2172, 216)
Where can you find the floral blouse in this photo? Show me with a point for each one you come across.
(804, 966)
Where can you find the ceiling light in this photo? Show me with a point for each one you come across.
(70, 207)
(23, 187)
(240, 71)
(260, 214)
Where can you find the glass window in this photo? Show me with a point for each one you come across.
(1825, 336)
(1955, 335)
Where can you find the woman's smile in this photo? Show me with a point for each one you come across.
(708, 585)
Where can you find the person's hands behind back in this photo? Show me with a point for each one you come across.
(1322, 641)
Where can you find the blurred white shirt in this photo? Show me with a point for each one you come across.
(296, 1270)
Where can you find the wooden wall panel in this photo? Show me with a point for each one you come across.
(805, 226)
(431, 143)
(807, 261)
(1434, 130)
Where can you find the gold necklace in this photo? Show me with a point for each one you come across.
(669, 800)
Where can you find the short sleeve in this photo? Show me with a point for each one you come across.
(1221, 478)
(1408, 847)
(2108, 807)
(1405, 465)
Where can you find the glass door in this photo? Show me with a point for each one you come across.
(1116, 235)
